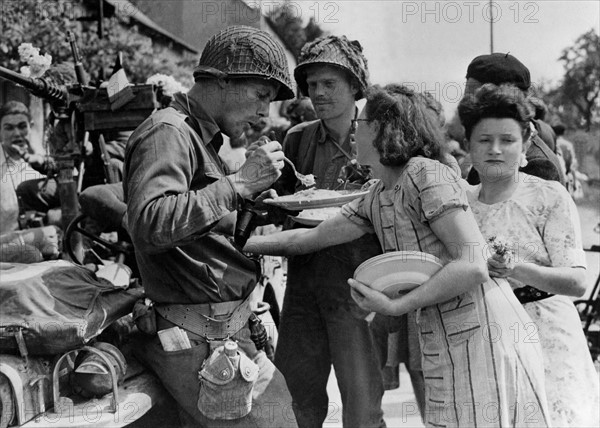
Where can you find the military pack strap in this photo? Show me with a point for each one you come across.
(341, 149)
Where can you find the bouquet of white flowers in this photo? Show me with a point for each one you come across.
(37, 64)
(502, 248)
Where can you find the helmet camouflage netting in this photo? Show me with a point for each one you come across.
(336, 51)
(242, 51)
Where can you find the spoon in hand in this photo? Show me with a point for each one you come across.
(307, 180)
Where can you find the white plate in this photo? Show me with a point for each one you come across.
(398, 272)
(315, 216)
(292, 202)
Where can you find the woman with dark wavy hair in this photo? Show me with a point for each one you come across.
(539, 222)
(475, 373)
(407, 127)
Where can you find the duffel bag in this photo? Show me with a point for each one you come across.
(57, 306)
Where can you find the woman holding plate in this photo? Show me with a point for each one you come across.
(545, 261)
(475, 373)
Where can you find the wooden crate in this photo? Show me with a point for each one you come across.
(98, 116)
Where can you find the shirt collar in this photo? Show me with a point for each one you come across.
(200, 118)
(323, 135)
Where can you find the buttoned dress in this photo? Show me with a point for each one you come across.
(475, 373)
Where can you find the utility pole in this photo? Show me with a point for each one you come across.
(491, 27)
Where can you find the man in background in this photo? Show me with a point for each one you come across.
(15, 134)
(499, 68)
(320, 324)
(571, 165)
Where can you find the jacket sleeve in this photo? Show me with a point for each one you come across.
(164, 208)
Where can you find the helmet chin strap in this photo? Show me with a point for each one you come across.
(222, 81)
(187, 99)
(211, 71)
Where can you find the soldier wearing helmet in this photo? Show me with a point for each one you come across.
(321, 325)
(181, 209)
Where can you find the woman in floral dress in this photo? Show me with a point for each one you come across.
(539, 221)
(475, 373)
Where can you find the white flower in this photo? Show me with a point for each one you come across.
(37, 64)
(167, 83)
(26, 71)
(500, 245)
(40, 64)
(26, 50)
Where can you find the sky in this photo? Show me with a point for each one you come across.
(429, 44)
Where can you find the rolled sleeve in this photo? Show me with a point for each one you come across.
(356, 211)
(434, 190)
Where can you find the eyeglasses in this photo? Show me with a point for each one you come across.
(355, 122)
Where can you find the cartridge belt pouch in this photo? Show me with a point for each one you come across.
(211, 321)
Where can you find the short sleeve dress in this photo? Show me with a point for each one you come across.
(475, 373)
(541, 223)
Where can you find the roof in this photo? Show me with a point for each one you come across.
(127, 8)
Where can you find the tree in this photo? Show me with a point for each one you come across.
(289, 26)
(576, 100)
(313, 30)
(46, 23)
(558, 111)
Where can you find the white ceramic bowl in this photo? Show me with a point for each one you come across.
(398, 272)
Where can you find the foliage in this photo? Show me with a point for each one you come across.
(289, 26)
(587, 150)
(24, 23)
(313, 30)
(576, 100)
(46, 23)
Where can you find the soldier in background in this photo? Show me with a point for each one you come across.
(320, 324)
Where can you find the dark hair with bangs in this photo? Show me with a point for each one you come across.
(498, 102)
(406, 127)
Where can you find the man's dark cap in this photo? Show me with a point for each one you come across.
(498, 68)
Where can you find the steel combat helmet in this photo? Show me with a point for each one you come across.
(336, 51)
(241, 51)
